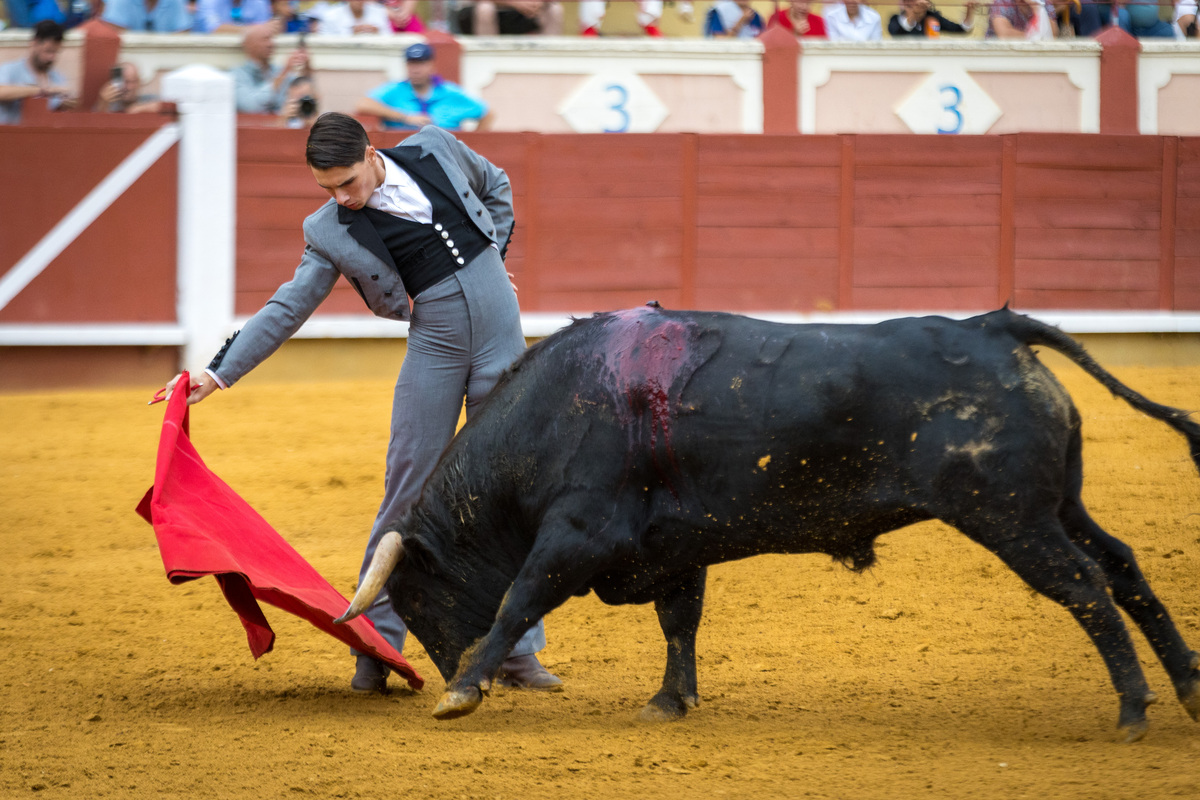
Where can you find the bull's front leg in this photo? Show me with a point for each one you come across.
(562, 562)
(679, 611)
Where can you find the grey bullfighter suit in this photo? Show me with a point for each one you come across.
(465, 326)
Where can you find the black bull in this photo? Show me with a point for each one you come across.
(627, 452)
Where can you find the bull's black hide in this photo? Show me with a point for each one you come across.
(627, 452)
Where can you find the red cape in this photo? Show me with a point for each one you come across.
(204, 528)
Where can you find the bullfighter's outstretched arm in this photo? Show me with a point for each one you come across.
(273, 324)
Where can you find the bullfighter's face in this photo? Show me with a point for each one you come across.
(352, 186)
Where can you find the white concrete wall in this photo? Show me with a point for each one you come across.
(561, 84)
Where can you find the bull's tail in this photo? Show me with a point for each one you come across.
(1032, 332)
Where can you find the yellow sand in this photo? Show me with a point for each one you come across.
(937, 674)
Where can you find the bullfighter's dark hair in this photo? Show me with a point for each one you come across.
(335, 140)
(47, 31)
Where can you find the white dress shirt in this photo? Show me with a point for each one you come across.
(866, 27)
(339, 21)
(400, 196)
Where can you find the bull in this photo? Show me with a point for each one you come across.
(629, 451)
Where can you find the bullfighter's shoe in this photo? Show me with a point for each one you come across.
(526, 672)
(370, 676)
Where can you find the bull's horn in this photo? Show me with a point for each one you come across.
(388, 553)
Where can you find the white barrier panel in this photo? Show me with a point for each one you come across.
(565, 85)
(950, 87)
(207, 207)
(1168, 88)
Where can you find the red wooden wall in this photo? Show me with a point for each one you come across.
(752, 223)
(800, 223)
(122, 267)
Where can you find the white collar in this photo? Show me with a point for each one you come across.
(392, 174)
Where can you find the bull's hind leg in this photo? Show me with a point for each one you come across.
(679, 611)
(1132, 592)
(1049, 562)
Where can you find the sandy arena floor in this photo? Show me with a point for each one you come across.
(937, 674)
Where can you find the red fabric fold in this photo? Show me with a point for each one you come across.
(204, 528)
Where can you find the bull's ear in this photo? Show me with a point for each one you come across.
(418, 552)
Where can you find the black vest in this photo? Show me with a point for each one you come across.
(422, 253)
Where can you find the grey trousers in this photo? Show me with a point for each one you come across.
(465, 330)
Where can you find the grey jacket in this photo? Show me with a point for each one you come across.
(338, 241)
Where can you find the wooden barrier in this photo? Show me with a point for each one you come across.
(753, 223)
(801, 223)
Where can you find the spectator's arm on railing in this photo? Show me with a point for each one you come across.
(372, 107)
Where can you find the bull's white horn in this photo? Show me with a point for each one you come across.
(387, 555)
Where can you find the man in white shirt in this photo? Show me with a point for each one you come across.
(852, 21)
(1185, 19)
(355, 17)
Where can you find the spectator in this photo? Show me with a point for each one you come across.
(78, 12)
(1020, 19)
(1140, 18)
(423, 98)
(356, 17)
(852, 21)
(164, 16)
(591, 15)
(799, 20)
(259, 87)
(920, 18)
(491, 17)
(1185, 19)
(28, 13)
(403, 16)
(1081, 17)
(288, 18)
(123, 93)
(300, 107)
(228, 16)
(34, 75)
(734, 19)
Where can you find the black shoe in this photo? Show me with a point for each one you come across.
(370, 676)
(526, 672)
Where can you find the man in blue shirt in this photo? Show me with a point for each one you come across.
(424, 99)
(230, 16)
(164, 16)
(34, 75)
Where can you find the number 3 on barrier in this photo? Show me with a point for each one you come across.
(621, 95)
(954, 95)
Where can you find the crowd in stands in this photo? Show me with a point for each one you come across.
(286, 91)
(837, 20)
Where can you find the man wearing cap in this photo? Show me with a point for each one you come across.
(424, 99)
(430, 219)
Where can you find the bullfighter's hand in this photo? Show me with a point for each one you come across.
(201, 388)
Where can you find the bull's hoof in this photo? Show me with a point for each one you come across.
(1133, 732)
(667, 709)
(458, 703)
(1190, 698)
(1132, 725)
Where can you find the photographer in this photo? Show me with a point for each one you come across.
(123, 93)
(301, 106)
(260, 87)
(920, 18)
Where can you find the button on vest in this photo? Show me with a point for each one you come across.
(424, 254)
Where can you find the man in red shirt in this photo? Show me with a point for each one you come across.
(799, 20)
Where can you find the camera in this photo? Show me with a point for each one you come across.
(307, 105)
